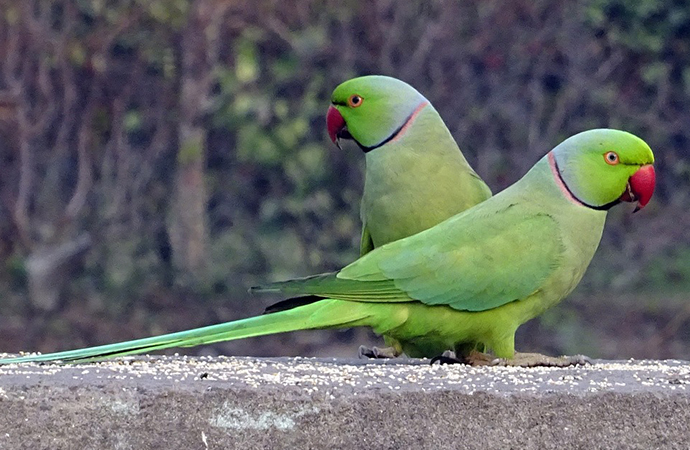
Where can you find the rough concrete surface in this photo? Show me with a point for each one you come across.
(299, 403)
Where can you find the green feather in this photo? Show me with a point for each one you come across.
(488, 271)
(317, 315)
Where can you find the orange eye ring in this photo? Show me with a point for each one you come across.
(611, 158)
(355, 101)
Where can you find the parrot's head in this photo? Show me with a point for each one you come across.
(372, 110)
(600, 168)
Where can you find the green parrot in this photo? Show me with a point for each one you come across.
(406, 144)
(467, 283)
(416, 176)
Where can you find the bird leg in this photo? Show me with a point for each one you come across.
(377, 353)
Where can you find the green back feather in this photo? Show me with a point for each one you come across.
(474, 261)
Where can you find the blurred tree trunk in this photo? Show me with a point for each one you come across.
(188, 227)
(188, 221)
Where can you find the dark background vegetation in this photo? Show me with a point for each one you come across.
(159, 157)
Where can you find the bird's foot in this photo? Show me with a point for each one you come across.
(377, 353)
(448, 357)
(537, 359)
(476, 358)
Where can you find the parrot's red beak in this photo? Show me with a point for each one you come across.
(335, 124)
(640, 187)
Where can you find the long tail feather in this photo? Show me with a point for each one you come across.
(323, 314)
(329, 285)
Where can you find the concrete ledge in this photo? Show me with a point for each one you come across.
(298, 403)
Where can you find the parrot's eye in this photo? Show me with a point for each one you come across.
(611, 158)
(355, 100)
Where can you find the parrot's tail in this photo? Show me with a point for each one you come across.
(326, 313)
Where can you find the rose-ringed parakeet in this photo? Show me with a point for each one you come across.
(416, 176)
(469, 282)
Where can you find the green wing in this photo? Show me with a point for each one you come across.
(366, 244)
(470, 262)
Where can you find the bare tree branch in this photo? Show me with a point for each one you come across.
(85, 163)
